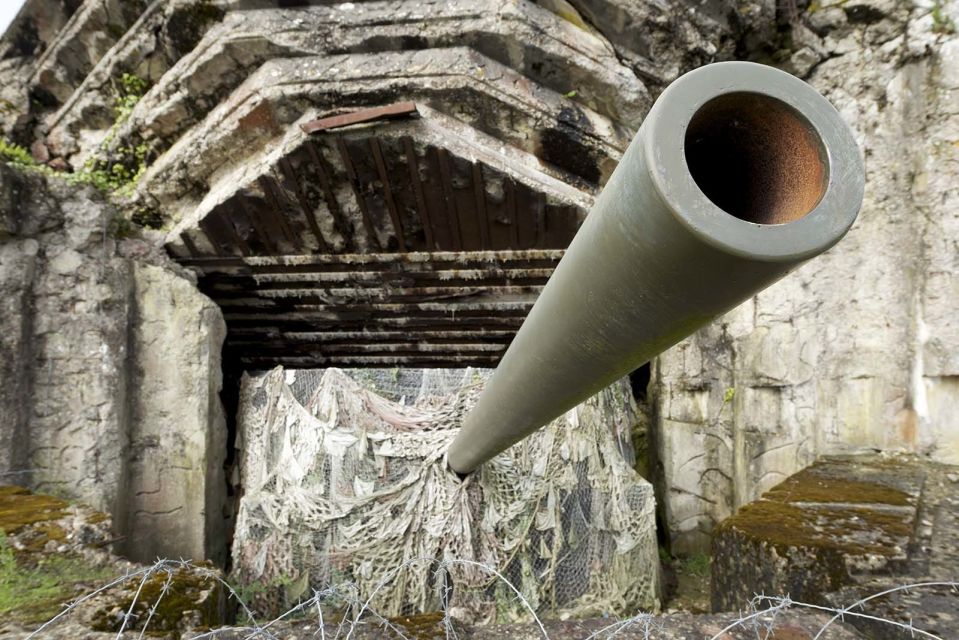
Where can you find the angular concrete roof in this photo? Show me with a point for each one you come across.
(419, 235)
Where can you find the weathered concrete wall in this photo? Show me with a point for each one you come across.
(111, 371)
(66, 386)
(856, 351)
(176, 487)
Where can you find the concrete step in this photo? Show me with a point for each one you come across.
(847, 528)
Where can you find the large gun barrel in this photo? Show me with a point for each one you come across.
(739, 174)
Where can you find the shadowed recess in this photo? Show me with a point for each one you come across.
(756, 158)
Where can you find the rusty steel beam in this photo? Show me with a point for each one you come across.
(386, 112)
(739, 174)
(359, 314)
(374, 348)
(393, 308)
(264, 322)
(437, 337)
(427, 260)
(242, 288)
(425, 334)
(421, 362)
(427, 278)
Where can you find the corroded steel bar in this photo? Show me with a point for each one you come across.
(390, 111)
(739, 174)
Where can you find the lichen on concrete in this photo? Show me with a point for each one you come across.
(846, 525)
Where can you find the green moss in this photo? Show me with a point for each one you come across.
(33, 584)
(808, 486)
(35, 538)
(785, 526)
(19, 508)
(97, 518)
(174, 594)
(33, 589)
(829, 514)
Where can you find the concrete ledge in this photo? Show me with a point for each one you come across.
(818, 530)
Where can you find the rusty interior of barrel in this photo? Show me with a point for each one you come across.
(756, 158)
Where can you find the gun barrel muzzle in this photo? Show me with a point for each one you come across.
(739, 174)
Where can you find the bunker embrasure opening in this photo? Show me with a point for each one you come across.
(756, 158)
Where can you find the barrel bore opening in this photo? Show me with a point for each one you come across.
(756, 158)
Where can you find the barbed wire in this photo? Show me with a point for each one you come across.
(759, 616)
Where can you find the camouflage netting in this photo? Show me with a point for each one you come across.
(344, 480)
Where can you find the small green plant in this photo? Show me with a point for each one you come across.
(114, 171)
(941, 22)
(728, 396)
(118, 171)
(696, 564)
(8, 563)
(132, 88)
(117, 176)
(249, 594)
(15, 154)
(664, 556)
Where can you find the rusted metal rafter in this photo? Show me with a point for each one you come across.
(423, 361)
(299, 324)
(386, 112)
(327, 261)
(388, 334)
(374, 348)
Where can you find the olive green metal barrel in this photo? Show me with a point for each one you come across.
(739, 174)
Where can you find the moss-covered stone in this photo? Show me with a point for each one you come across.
(812, 533)
(36, 580)
(809, 487)
(422, 626)
(784, 525)
(19, 508)
(180, 599)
